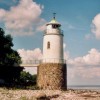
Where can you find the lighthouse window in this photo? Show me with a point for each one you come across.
(48, 45)
(54, 26)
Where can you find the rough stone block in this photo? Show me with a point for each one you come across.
(52, 76)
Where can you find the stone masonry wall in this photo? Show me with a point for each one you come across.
(52, 76)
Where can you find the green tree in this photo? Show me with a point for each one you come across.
(8, 56)
(27, 79)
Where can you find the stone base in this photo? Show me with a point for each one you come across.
(52, 76)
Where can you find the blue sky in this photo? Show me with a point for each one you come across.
(80, 21)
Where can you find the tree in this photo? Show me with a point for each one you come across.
(27, 79)
(8, 56)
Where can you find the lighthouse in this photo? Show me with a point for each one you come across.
(53, 42)
(52, 71)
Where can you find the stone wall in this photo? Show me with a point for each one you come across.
(52, 76)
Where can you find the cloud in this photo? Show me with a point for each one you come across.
(28, 55)
(64, 46)
(96, 26)
(83, 76)
(23, 19)
(31, 70)
(91, 59)
(66, 53)
(82, 70)
(35, 54)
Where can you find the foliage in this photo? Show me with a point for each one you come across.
(9, 75)
(27, 79)
(8, 56)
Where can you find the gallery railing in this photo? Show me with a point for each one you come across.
(31, 62)
(54, 60)
(37, 62)
(53, 31)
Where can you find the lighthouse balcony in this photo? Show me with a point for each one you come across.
(53, 60)
(53, 32)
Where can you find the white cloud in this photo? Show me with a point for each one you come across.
(64, 46)
(84, 69)
(83, 76)
(31, 70)
(96, 26)
(23, 19)
(91, 59)
(35, 54)
(80, 69)
(28, 55)
(66, 53)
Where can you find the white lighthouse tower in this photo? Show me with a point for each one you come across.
(52, 71)
(53, 42)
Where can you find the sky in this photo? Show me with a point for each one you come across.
(80, 19)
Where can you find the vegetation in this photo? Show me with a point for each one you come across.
(12, 76)
(26, 79)
(8, 56)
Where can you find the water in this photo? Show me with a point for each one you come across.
(90, 87)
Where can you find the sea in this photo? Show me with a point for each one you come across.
(88, 87)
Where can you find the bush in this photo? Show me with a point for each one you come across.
(26, 79)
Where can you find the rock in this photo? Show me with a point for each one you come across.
(42, 96)
(52, 76)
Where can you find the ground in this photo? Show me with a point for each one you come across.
(19, 94)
